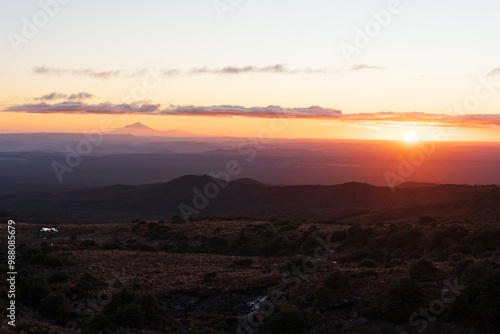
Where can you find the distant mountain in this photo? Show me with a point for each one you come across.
(139, 129)
(349, 202)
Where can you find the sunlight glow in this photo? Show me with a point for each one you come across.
(411, 136)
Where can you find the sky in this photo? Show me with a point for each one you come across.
(364, 69)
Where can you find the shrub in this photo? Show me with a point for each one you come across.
(243, 263)
(38, 288)
(337, 280)
(245, 250)
(209, 277)
(47, 260)
(456, 257)
(216, 245)
(396, 262)
(87, 282)
(358, 256)
(142, 247)
(54, 304)
(366, 273)
(357, 234)
(477, 249)
(130, 315)
(46, 248)
(57, 277)
(368, 264)
(151, 309)
(368, 308)
(100, 323)
(376, 255)
(91, 279)
(401, 293)
(489, 299)
(29, 252)
(399, 253)
(287, 320)
(472, 278)
(422, 269)
(88, 244)
(338, 236)
(112, 246)
(324, 296)
(275, 246)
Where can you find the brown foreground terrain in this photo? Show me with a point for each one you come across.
(235, 275)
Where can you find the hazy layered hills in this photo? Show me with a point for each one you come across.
(139, 129)
(352, 202)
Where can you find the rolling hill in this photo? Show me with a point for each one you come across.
(206, 196)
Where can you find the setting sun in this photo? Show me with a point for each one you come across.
(411, 136)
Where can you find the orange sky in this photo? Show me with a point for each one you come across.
(180, 54)
(15, 122)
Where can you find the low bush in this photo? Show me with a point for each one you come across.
(287, 320)
(336, 280)
(55, 304)
(368, 264)
(57, 277)
(423, 270)
(242, 263)
(401, 293)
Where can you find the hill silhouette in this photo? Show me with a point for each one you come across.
(246, 197)
(140, 129)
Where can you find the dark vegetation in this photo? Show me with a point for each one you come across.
(377, 276)
(350, 202)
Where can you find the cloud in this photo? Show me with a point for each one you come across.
(278, 68)
(58, 96)
(83, 108)
(69, 107)
(227, 70)
(261, 112)
(313, 112)
(361, 67)
(84, 72)
(421, 118)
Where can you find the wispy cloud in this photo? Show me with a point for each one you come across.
(262, 112)
(59, 96)
(84, 72)
(361, 67)
(277, 68)
(226, 70)
(83, 108)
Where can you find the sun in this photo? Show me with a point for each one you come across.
(411, 136)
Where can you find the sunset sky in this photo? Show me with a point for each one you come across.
(215, 69)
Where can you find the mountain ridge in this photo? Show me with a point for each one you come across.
(208, 196)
